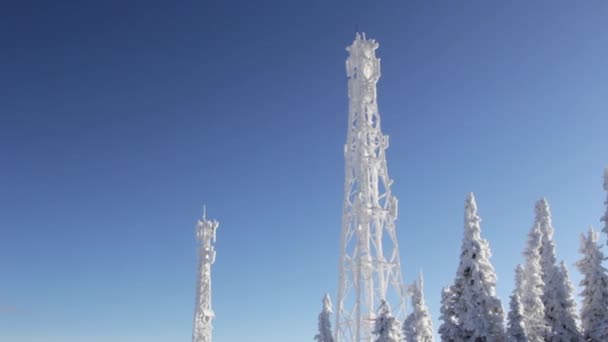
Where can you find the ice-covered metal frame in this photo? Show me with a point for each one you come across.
(203, 316)
(370, 269)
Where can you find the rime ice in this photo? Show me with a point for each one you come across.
(325, 334)
(471, 311)
(205, 233)
(370, 270)
(418, 326)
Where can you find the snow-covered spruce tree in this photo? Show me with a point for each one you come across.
(387, 328)
(418, 327)
(325, 333)
(569, 295)
(478, 312)
(532, 289)
(605, 217)
(516, 331)
(560, 307)
(594, 311)
(449, 330)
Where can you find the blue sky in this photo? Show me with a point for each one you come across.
(119, 120)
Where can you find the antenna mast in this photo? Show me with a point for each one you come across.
(205, 234)
(370, 269)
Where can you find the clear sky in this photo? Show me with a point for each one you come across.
(120, 119)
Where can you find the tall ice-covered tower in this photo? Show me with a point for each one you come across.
(370, 269)
(203, 315)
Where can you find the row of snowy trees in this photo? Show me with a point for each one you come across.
(542, 305)
(416, 327)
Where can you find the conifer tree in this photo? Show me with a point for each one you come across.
(516, 331)
(558, 301)
(449, 330)
(471, 310)
(325, 334)
(594, 312)
(569, 295)
(418, 327)
(386, 327)
(533, 288)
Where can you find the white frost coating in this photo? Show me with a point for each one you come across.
(386, 327)
(370, 269)
(570, 302)
(449, 329)
(418, 326)
(205, 234)
(594, 308)
(471, 310)
(560, 307)
(532, 289)
(325, 334)
(516, 329)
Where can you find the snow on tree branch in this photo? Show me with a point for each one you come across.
(516, 330)
(594, 311)
(470, 308)
(557, 296)
(418, 327)
(387, 327)
(325, 333)
(533, 288)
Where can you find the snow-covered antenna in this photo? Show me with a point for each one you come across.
(205, 234)
(370, 269)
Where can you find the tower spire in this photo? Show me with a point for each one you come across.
(370, 270)
(205, 234)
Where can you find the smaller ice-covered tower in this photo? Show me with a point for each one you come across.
(205, 234)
